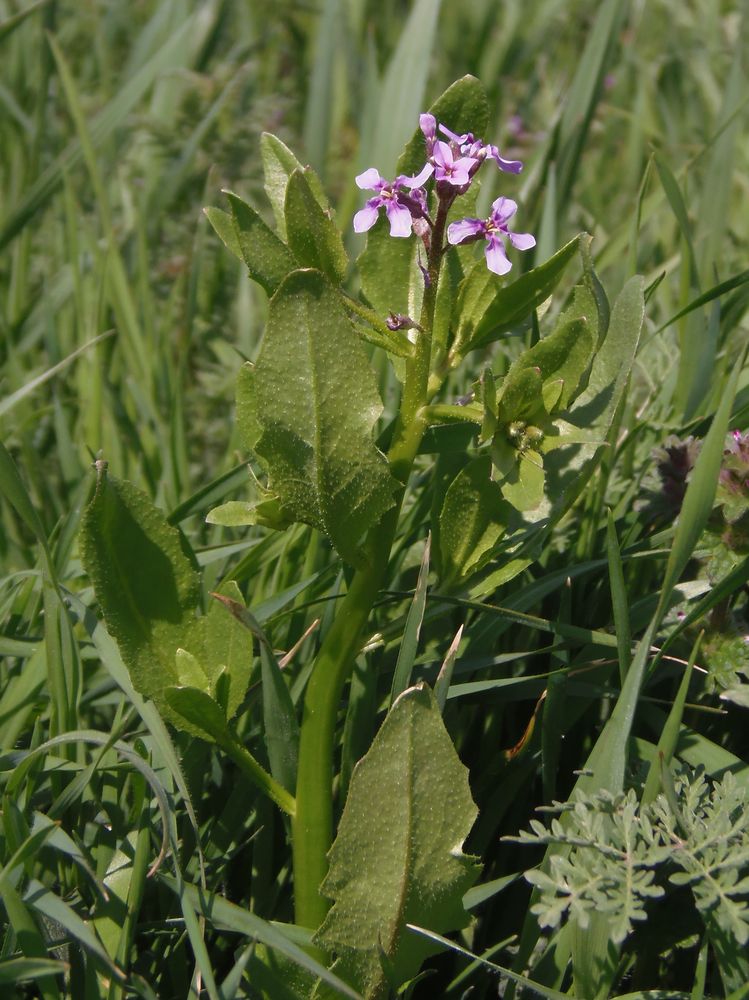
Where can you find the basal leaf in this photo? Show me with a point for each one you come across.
(487, 307)
(473, 518)
(144, 580)
(308, 408)
(268, 259)
(314, 239)
(279, 163)
(148, 587)
(397, 857)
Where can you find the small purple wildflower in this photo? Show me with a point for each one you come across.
(474, 148)
(493, 230)
(402, 199)
(447, 168)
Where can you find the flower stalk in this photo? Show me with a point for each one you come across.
(405, 204)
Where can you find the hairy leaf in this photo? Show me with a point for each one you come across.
(397, 857)
(268, 259)
(487, 307)
(307, 408)
(473, 518)
(314, 238)
(146, 582)
(279, 163)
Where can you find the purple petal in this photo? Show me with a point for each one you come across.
(416, 182)
(366, 218)
(503, 209)
(460, 170)
(522, 241)
(451, 135)
(442, 155)
(400, 219)
(511, 166)
(496, 258)
(370, 180)
(465, 229)
(428, 125)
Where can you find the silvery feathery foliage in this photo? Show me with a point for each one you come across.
(614, 855)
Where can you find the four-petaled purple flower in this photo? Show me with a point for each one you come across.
(402, 200)
(493, 229)
(447, 168)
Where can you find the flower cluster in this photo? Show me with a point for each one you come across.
(453, 162)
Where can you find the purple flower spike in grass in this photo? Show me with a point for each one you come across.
(493, 230)
(402, 200)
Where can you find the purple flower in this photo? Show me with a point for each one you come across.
(493, 230)
(472, 147)
(402, 199)
(447, 168)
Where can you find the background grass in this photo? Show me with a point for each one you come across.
(123, 322)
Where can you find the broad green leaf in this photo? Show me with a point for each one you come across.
(563, 356)
(473, 518)
(519, 474)
(308, 408)
(487, 307)
(521, 395)
(148, 588)
(145, 582)
(463, 107)
(267, 259)
(279, 163)
(189, 671)
(390, 277)
(314, 239)
(397, 857)
(226, 651)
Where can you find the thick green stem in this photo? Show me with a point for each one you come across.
(312, 826)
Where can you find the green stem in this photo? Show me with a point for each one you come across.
(258, 775)
(312, 826)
